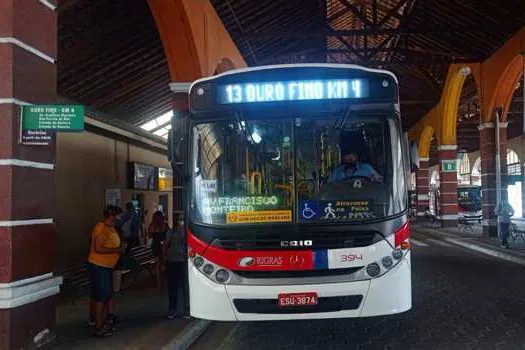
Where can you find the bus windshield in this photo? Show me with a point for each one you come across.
(297, 170)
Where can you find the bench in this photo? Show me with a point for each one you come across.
(433, 219)
(75, 280)
(516, 232)
(144, 258)
(76, 276)
(467, 222)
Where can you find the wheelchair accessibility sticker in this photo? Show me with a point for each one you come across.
(308, 210)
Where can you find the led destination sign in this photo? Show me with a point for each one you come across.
(293, 91)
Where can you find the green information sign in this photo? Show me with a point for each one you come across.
(69, 118)
(287, 142)
(449, 166)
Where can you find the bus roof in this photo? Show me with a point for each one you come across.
(296, 65)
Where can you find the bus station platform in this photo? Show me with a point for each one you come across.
(476, 241)
(143, 324)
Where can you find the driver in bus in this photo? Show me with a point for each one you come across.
(352, 167)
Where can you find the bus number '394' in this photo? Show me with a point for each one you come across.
(293, 244)
(351, 257)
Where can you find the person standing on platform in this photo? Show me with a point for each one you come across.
(157, 233)
(103, 256)
(129, 225)
(175, 256)
(504, 212)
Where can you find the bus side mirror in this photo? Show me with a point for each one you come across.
(414, 155)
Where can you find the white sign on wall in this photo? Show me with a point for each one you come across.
(113, 197)
(209, 186)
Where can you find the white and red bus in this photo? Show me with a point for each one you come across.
(296, 202)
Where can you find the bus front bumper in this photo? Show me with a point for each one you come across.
(388, 294)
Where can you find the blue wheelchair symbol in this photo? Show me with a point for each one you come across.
(308, 210)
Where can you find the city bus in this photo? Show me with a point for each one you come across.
(296, 194)
(469, 199)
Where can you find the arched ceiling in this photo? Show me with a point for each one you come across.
(111, 59)
(417, 39)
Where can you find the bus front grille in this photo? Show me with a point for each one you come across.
(297, 274)
(322, 240)
(324, 304)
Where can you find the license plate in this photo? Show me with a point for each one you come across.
(297, 299)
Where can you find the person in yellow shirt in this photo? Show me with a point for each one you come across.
(103, 256)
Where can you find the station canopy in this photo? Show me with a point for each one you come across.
(111, 58)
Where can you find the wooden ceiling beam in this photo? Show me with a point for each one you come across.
(131, 44)
(131, 69)
(148, 98)
(154, 83)
(384, 31)
(357, 13)
(393, 13)
(127, 90)
(145, 115)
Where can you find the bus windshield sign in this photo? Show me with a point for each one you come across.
(296, 90)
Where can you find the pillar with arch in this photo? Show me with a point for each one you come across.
(206, 51)
(448, 184)
(487, 134)
(441, 121)
(28, 287)
(495, 79)
(422, 173)
(422, 187)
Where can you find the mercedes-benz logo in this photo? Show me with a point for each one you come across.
(296, 260)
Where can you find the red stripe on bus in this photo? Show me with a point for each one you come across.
(256, 260)
(196, 244)
(402, 234)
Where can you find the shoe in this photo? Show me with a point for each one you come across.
(109, 327)
(113, 319)
(102, 333)
(91, 323)
(185, 316)
(171, 314)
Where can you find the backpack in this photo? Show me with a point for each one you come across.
(126, 227)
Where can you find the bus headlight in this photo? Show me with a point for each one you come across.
(373, 269)
(387, 262)
(208, 269)
(397, 254)
(222, 276)
(198, 261)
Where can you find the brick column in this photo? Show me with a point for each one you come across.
(487, 136)
(28, 30)
(448, 184)
(422, 186)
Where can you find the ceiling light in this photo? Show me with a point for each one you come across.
(256, 137)
(165, 118)
(161, 132)
(152, 124)
(465, 71)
